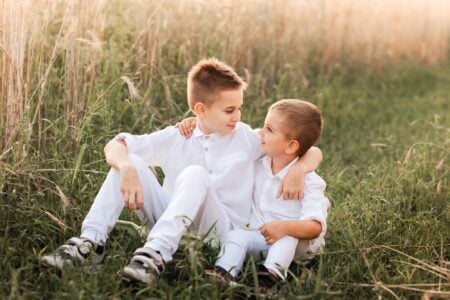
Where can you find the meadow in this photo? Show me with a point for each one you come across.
(75, 73)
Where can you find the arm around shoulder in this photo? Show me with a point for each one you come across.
(311, 159)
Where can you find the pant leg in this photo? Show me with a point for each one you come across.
(194, 204)
(237, 244)
(108, 203)
(280, 255)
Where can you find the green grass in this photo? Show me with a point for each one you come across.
(386, 147)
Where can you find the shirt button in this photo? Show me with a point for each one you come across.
(210, 171)
(206, 148)
(206, 137)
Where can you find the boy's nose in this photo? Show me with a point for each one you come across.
(237, 116)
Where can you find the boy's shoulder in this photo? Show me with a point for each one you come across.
(312, 179)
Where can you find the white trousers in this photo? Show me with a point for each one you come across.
(193, 204)
(238, 244)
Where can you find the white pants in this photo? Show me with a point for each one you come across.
(194, 204)
(240, 243)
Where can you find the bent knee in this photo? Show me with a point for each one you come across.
(237, 236)
(194, 173)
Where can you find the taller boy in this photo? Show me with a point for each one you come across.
(208, 178)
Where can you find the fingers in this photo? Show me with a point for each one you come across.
(280, 191)
(270, 241)
(126, 199)
(139, 199)
(132, 201)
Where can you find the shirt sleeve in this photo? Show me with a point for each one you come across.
(152, 148)
(252, 136)
(314, 203)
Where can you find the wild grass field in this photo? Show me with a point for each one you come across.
(75, 73)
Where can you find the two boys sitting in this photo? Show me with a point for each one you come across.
(208, 183)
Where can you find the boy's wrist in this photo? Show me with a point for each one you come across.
(125, 165)
(302, 167)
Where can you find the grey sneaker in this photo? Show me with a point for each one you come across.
(145, 266)
(75, 252)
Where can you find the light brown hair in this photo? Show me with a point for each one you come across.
(302, 121)
(207, 78)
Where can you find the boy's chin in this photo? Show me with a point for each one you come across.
(262, 150)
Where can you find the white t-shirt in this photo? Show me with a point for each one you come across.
(228, 159)
(266, 208)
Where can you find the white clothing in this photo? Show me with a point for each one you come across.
(208, 181)
(267, 208)
(228, 159)
(239, 243)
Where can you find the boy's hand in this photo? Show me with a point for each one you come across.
(273, 231)
(291, 188)
(186, 126)
(130, 187)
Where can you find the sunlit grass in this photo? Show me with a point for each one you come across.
(70, 83)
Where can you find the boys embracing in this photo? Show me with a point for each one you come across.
(208, 178)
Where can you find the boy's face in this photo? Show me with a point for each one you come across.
(273, 141)
(223, 115)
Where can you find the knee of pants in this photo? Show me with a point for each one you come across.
(195, 175)
(237, 237)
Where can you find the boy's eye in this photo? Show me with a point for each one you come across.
(229, 111)
(269, 129)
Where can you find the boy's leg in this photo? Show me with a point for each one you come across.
(108, 203)
(102, 216)
(237, 244)
(194, 203)
(280, 255)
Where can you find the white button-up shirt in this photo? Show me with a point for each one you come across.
(229, 160)
(266, 208)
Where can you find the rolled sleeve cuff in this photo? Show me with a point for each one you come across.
(128, 139)
(317, 218)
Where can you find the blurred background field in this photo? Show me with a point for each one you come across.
(75, 73)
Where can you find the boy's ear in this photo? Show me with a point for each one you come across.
(292, 147)
(199, 109)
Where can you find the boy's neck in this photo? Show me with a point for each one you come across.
(281, 161)
(203, 127)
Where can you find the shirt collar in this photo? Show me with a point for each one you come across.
(267, 163)
(197, 132)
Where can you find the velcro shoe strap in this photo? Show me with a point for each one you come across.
(75, 241)
(149, 252)
(148, 263)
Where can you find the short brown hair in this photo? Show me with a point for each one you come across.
(302, 121)
(208, 77)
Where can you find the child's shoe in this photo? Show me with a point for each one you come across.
(145, 266)
(75, 252)
(220, 274)
(266, 279)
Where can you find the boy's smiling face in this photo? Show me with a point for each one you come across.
(222, 115)
(273, 140)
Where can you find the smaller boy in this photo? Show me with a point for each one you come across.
(285, 229)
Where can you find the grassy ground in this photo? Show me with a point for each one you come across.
(386, 146)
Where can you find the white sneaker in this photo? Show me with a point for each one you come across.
(145, 266)
(75, 252)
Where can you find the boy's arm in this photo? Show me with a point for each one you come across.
(301, 229)
(116, 154)
(186, 126)
(292, 187)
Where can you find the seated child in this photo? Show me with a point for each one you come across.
(285, 229)
(207, 182)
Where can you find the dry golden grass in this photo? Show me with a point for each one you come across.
(54, 49)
